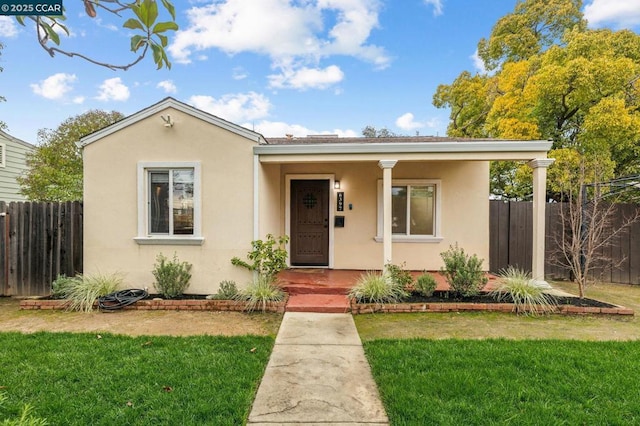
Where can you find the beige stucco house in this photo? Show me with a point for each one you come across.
(172, 178)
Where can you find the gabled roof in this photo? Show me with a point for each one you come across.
(175, 104)
(7, 136)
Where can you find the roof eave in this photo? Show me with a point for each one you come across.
(404, 148)
(16, 140)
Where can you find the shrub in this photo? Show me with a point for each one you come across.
(228, 291)
(374, 287)
(266, 257)
(83, 290)
(517, 286)
(61, 286)
(425, 284)
(463, 272)
(260, 293)
(399, 275)
(172, 276)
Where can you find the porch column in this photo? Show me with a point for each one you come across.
(539, 167)
(386, 166)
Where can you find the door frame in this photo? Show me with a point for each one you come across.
(287, 211)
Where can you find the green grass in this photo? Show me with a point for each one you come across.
(80, 379)
(473, 382)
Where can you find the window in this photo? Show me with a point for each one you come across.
(415, 207)
(168, 206)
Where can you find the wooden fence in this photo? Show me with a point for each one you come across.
(38, 242)
(510, 242)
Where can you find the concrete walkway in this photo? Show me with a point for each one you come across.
(317, 375)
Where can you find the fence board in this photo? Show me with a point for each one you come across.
(517, 241)
(38, 242)
(4, 248)
(521, 229)
(499, 236)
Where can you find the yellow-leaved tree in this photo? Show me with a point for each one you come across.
(549, 77)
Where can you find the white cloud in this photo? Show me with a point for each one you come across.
(619, 13)
(109, 26)
(278, 129)
(307, 78)
(168, 86)
(437, 6)
(478, 63)
(113, 89)
(78, 100)
(239, 73)
(300, 33)
(8, 27)
(235, 107)
(54, 87)
(407, 122)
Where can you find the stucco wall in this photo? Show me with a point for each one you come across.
(464, 211)
(270, 200)
(111, 204)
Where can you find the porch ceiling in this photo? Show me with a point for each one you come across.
(427, 151)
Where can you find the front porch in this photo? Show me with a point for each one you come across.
(325, 290)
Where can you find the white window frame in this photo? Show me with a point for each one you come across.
(3, 154)
(144, 235)
(437, 230)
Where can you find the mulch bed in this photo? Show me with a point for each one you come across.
(452, 297)
(447, 301)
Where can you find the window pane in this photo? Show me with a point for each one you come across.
(183, 202)
(159, 199)
(421, 210)
(399, 209)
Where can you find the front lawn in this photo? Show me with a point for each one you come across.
(109, 379)
(496, 381)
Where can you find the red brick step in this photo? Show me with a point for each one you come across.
(323, 303)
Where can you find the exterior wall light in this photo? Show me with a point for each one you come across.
(336, 184)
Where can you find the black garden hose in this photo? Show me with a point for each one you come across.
(120, 299)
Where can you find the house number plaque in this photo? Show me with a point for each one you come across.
(340, 201)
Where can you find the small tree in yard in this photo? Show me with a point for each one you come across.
(586, 233)
(267, 258)
(586, 228)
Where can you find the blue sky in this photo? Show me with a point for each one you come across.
(275, 66)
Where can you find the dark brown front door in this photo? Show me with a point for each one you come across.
(310, 222)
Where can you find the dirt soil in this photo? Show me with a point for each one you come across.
(136, 323)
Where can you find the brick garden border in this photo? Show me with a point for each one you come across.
(160, 305)
(356, 308)
(369, 308)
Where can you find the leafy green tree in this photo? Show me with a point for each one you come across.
(372, 132)
(143, 18)
(55, 168)
(552, 78)
(533, 26)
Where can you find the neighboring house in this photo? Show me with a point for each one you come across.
(13, 163)
(174, 179)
